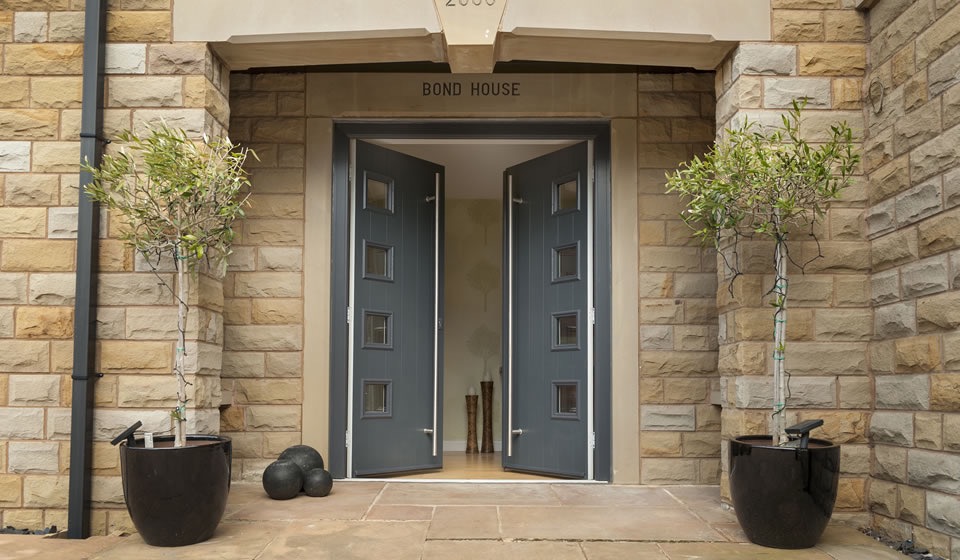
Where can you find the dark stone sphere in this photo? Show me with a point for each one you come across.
(282, 480)
(317, 483)
(306, 457)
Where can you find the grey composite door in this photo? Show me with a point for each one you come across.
(547, 335)
(396, 313)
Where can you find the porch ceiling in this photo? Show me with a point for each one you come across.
(472, 35)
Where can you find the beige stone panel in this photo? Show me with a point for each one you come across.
(273, 232)
(291, 104)
(939, 233)
(24, 356)
(268, 284)
(753, 323)
(611, 95)
(14, 91)
(23, 222)
(678, 364)
(855, 392)
(237, 311)
(669, 471)
(945, 393)
(261, 337)
(793, 26)
(701, 444)
(56, 92)
(55, 157)
(275, 206)
(10, 490)
(696, 338)
(847, 93)
(277, 311)
(268, 391)
(844, 324)
(277, 181)
(43, 59)
(45, 491)
(660, 444)
(852, 290)
(274, 443)
(832, 59)
(44, 322)
(271, 418)
(114, 256)
(844, 26)
(840, 426)
(280, 259)
(800, 325)
(144, 91)
(746, 358)
(280, 130)
(284, 364)
(928, 430)
(827, 358)
(23, 518)
(28, 124)
(34, 390)
(177, 58)
(939, 38)
(685, 391)
(31, 190)
(661, 311)
(895, 249)
(140, 356)
(38, 255)
(851, 494)
(129, 26)
(902, 65)
(939, 312)
(651, 391)
(134, 289)
(146, 391)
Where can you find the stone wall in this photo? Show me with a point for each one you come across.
(679, 427)
(817, 52)
(263, 291)
(912, 159)
(40, 82)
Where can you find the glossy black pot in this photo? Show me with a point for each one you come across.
(783, 496)
(176, 495)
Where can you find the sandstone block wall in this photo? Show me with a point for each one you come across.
(40, 81)
(912, 159)
(679, 424)
(818, 53)
(263, 292)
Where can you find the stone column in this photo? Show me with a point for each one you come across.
(817, 52)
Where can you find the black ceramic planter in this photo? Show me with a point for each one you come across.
(783, 496)
(176, 495)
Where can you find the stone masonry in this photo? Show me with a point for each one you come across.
(817, 53)
(912, 160)
(149, 78)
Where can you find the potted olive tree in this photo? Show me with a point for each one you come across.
(771, 183)
(177, 200)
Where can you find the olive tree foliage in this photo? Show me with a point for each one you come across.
(768, 183)
(177, 198)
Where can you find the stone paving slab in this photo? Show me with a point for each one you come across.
(427, 521)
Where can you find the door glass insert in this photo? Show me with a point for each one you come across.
(565, 399)
(566, 264)
(377, 397)
(565, 197)
(378, 193)
(377, 261)
(565, 331)
(376, 330)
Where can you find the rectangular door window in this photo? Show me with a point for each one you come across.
(377, 261)
(565, 331)
(565, 399)
(566, 265)
(376, 330)
(566, 195)
(377, 395)
(377, 193)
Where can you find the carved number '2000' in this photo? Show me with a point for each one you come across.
(455, 3)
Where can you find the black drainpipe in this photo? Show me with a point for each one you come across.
(84, 314)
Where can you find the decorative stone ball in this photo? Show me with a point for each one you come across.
(282, 480)
(305, 457)
(317, 483)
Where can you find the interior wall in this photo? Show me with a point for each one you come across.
(472, 324)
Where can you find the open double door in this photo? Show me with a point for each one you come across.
(395, 355)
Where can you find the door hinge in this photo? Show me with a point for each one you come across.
(346, 439)
(349, 315)
(593, 315)
(593, 440)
